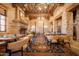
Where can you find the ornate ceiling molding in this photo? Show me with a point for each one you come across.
(35, 9)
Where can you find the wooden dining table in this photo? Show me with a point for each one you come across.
(6, 40)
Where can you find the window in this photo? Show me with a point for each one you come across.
(59, 25)
(2, 20)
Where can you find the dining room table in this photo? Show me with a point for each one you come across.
(5, 41)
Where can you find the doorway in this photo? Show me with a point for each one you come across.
(74, 24)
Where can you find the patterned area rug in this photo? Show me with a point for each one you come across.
(46, 54)
(67, 52)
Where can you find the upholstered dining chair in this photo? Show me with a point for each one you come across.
(17, 46)
(56, 37)
(67, 40)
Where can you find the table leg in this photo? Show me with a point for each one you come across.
(6, 47)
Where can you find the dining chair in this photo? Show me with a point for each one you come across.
(17, 46)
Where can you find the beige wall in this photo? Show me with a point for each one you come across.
(67, 23)
(60, 12)
(10, 16)
(12, 27)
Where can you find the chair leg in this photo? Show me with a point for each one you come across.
(10, 52)
(21, 51)
(69, 45)
(26, 49)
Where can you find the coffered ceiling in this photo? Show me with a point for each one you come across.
(31, 9)
(38, 7)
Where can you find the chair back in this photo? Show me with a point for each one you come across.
(66, 38)
(17, 45)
